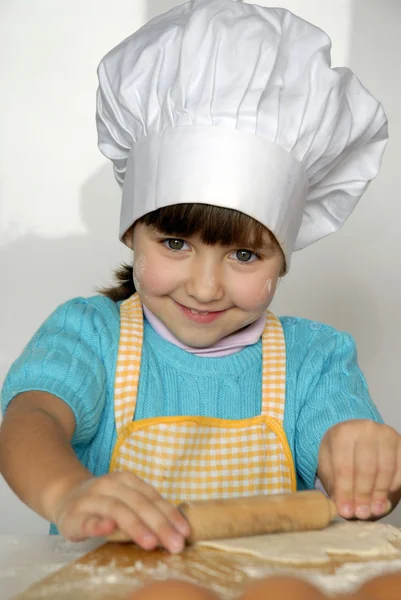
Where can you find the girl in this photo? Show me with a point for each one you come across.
(235, 143)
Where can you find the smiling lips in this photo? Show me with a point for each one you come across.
(197, 316)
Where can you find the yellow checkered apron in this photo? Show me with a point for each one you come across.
(188, 458)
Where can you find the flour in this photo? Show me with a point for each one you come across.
(93, 582)
(225, 573)
(138, 271)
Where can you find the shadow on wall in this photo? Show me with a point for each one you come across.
(375, 57)
(38, 274)
(338, 280)
(157, 7)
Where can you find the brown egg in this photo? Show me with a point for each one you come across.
(282, 588)
(172, 589)
(384, 587)
(355, 596)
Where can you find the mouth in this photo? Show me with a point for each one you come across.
(198, 316)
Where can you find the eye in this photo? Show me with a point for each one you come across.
(175, 244)
(244, 256)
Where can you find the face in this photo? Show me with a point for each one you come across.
(203, 293)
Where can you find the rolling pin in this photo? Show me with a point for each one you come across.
(253, 515)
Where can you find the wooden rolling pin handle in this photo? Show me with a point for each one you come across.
(257, 515)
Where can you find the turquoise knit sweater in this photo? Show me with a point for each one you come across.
(73, 356)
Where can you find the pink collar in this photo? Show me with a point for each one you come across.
(228, 345)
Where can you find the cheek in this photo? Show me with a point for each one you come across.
(156, 278)
(256, 292)
(139, 270)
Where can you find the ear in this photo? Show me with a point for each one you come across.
(128, 237)
(283, 270)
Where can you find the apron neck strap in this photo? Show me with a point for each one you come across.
(274, 369)
(128, 361)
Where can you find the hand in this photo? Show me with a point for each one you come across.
(360, 467)
(100, 505)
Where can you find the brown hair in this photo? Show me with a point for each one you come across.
(214, 226)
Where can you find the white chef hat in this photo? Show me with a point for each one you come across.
(235, 105)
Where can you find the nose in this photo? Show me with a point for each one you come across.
(205, 281)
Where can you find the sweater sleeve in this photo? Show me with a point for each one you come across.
(65, 358)
(337, 391)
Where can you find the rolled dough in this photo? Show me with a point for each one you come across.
(341, 539)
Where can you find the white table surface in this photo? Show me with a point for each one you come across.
(25, 559)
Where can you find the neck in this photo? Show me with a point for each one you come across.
(229, 345)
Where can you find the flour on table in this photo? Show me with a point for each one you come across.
(344, 539)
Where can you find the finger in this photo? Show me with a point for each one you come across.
(396, 483)
(74, 526)
(137, 516)
(387, 465)
(173, 515)
(140, 506)
(343, 475)
(366, 468)
(113, 508)
(98, 526)
(155, 519)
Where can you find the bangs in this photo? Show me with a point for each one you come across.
(212, 224)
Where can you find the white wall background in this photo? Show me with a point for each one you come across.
(59, 205)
